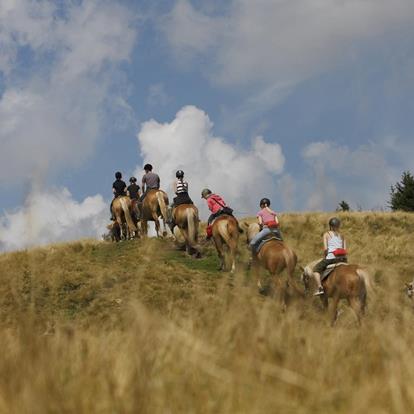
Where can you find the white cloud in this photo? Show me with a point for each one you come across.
(188, 143)
(51, 217)
(53, 114)
(281, 42)
(361, 176)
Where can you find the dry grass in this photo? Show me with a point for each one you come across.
(93, 327)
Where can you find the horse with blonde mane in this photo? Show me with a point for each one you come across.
(274, 256)
(346, 281)
(186, 219)
(225, 234)
(121, 209)
(154, 206)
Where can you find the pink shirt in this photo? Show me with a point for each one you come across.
(213, 203)
(267, 215)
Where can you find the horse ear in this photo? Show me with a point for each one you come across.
(408, 285)
(301, 268)
(244, 225)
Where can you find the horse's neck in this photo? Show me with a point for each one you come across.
(311, 265)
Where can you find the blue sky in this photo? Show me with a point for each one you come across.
(307, 102)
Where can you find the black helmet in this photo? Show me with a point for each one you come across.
(148, 167)
(179, 174)
(132, 180)
(118, 175)
(265, 201)
(205, 193)
(334, 222)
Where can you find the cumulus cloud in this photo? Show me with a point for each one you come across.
(188, 143)
(360, 175)
(53, 113)
(281, 42)
(51, 217)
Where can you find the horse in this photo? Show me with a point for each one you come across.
(346, 281)
(274, 256)
(186, 219)
(225, 234)
(154, 206)
(114, 233)
(121, 208)
(409, 289)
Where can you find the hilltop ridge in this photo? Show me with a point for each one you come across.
(139, 326)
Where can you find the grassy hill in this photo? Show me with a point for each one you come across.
(95, 327)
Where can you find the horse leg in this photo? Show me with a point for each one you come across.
(157, 223)
(356, 307)
(233, 251)
(144, 228)
(334, 315)
(219, 247)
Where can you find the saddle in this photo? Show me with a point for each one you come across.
(331, 268)
(268, 238)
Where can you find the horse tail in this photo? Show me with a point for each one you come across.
(127, 214)
(162, 204)
(191, 226)
(366, 278)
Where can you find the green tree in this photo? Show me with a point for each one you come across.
(343, 206)
(402, 193)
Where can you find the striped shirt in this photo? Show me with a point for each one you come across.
(181, 187)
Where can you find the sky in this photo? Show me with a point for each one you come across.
(307, 102)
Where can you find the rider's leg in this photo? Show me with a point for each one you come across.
(110, 209)
(317, 271)
(255, 241)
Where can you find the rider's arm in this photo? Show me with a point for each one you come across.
(260, 221)
(344, 243)
(175, 187)
(325, 243)
(143, 184)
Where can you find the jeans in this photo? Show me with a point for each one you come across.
(255, 241)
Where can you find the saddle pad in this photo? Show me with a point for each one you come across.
(263, 242)
(330, 268)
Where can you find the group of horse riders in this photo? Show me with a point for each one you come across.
(333, 242)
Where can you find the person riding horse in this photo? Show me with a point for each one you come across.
(133, 192)
(118, 189)
(180, 188)
(150, 181)
(269, 224)
(335, 252)
(217, 206)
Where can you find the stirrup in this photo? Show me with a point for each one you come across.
(319, 292)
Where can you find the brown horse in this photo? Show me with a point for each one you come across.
(349, 282)
(225, 231)
(121, 208)
(186, 219)
(154, 206)
(274, 256)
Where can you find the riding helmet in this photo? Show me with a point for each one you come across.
(179, 174)
(334, 222)
(132, 180)
(118, 175)
(148, 167)
(265, 201)
(205, 193)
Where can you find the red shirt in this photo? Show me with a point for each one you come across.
(215, 203)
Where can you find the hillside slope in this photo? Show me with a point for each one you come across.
(139, 327)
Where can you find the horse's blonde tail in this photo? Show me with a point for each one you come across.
(127, 214)
(191, 225)
(366, 277)
(162, 204)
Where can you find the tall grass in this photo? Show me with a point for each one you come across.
(92, 327)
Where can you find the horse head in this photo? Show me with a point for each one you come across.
(409, 289)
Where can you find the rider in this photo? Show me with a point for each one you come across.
(150, 181)
(268, 223)
(216, 205)
(133, 189)
(118, 189)
(180, 188)
(334, 249)
(133, 193)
